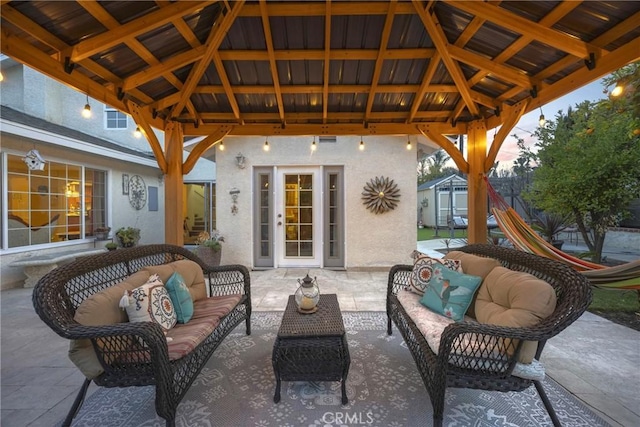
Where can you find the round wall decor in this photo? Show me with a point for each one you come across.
(380, 195)
(137, 192)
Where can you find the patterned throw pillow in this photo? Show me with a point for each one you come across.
(423, 270)
(449, 293)
(180, 297)
(150, 303)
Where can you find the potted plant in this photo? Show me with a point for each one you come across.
(209, 247)
(549, 225)
(102, 233)
(128, 236)
(111, 246)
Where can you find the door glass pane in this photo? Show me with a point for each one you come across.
(265, 236)
(298, 215)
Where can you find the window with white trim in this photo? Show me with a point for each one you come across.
(115, 119)
(61, 202)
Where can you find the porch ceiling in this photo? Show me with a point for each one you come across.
(322, 67)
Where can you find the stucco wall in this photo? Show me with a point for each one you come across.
(371, 240)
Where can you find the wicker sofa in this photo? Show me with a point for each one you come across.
(79, 301)
(471, 354)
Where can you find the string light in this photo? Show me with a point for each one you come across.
(86, 111)
(618, 89)
(408, 143)
(221, 146)
(137, 133)
(541, 120)
(265, 147)
(313, 144)
(361, 147)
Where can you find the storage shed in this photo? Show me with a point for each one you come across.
(440, 199)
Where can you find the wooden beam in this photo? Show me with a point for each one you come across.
(512, 118)
(426, 79)
(218, 32)
(148, 133)
(203, 146)
(477, 187)
(251, 129)
(173, 185)
(440, 41)
(132, 29)
(318, 9)
(268, 38)
(446, 144)
(505, 19)
(327, 61)
(319, 54)
(227, 87)
(384, 39)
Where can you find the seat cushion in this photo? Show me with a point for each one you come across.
(97, 310)
(515, 299)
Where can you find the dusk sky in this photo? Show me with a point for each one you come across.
(529, 122)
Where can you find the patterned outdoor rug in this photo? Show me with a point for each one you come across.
(236, 388)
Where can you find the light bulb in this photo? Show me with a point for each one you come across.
(617, 91)
(265, 147)
(408, 144)
(313, 144)
(541, 120)
(86, 111)
(361, 147)
(137, 132)
(221, 146)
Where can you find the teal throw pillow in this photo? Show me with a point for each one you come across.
(450, 293)
(180, 297)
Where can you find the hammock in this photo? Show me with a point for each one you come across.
(525, 238)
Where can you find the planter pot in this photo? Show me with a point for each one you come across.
(208, 255)
(102, 235)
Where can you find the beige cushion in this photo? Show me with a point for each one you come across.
(474, 265)
(190, 271)
(97, 310)
(516, 299)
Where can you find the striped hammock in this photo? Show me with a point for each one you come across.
(525, 238)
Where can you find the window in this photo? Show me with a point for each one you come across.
(62, 202)
(115, 119)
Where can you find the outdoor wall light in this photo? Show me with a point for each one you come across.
(240, 159)
(86, 111)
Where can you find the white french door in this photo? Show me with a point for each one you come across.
(298, 213)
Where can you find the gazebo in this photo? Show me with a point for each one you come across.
(222, 68)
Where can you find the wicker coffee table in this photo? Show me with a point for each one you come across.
(312, 347)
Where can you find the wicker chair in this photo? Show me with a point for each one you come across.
(482, 370)
(57, 296)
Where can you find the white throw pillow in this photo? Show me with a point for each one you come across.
(150, 303)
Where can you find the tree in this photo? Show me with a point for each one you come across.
(589, 167)
(432, 167)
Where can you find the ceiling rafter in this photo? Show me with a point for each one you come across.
(517, 23)
(440, 41)
(227, 87)
(149, 134)
(98, 12)
(319, 54)
(426, 79)
(548, 20)
(327, 58)
(209, 141)
(331, 116)
(318, 89)
(384, 39)
(218, 31)
(268, 38)
(132, 29)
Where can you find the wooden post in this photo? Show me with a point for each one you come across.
(173, 183)
(477, 189)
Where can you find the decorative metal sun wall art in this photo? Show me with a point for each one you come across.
(380, 195)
